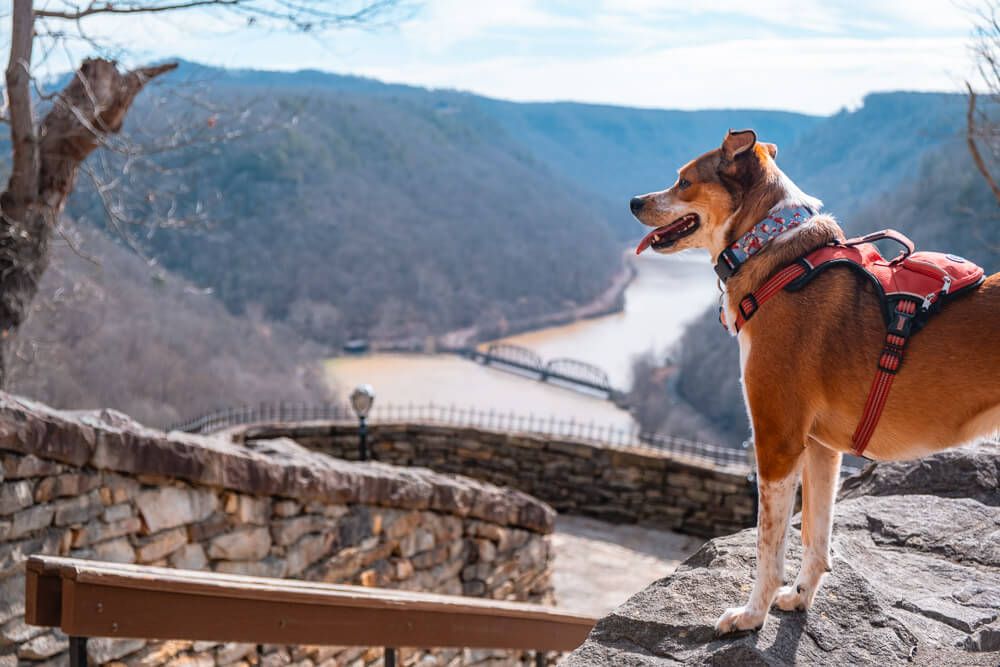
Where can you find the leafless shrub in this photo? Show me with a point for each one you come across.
(114, 335)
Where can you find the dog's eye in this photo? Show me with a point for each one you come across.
(683, 184)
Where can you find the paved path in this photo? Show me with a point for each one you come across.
(600, 565)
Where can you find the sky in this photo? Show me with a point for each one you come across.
(799, 55)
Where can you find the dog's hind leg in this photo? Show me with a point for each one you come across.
(776, 484)
(820, 472)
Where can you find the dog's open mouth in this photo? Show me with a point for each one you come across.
(667, 235)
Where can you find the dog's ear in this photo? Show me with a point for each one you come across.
(737, 143)
(772, 149)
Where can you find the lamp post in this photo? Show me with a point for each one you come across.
(361, 401)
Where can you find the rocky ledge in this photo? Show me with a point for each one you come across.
(915, 581)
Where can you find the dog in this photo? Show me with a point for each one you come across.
(807, 358)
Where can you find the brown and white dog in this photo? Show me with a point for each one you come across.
(808, 357)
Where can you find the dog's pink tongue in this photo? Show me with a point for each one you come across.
(646, 241)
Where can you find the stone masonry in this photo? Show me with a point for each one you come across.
(100, 486)
(628, 485)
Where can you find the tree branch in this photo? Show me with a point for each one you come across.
(970, 138)
(23, 183)
(300, 15)
(111, 8)
(92, 105)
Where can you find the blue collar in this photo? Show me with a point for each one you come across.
(774, 225)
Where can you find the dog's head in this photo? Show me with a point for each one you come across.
(699, 210)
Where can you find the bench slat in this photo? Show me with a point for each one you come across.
(113, 600)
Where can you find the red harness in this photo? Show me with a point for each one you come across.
(911, 287)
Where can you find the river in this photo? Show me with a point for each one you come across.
(665, 295)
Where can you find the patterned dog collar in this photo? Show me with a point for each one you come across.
(774, 225)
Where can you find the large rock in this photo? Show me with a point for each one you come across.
(915, 581)
(171, 506)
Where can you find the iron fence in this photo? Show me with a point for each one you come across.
(604, 435)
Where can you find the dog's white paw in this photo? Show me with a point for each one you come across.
(792, 598)
(739, 619)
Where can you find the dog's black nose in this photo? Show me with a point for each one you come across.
(636, 204)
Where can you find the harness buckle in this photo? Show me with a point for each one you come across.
(727, 265)
(748, 306)
(899, 330)
(901, 322)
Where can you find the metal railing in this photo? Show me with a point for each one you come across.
(605, 435)
(217, 420)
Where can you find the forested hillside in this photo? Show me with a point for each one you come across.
(944, 205)
(853, 156)
(905, 166)
(106, 331)
(617, 153)
(388, 212)
(844, 159)
(383, 215)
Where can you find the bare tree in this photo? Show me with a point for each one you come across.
(982, 128)
(47, 154)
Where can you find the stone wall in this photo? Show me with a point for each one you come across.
(629, 485)
(100, 486)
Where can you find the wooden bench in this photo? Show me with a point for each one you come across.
(94, 599)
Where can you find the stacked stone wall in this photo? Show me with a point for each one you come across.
(101, 487)
(642, 485)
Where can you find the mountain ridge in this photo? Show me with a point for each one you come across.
(355, 208)
(364, 159)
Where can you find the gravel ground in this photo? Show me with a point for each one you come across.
(600, 565)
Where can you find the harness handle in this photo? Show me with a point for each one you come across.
(888, 234)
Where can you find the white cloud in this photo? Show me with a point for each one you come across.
(808, 55)
(446, 23)
(813, 75)
(838, 16)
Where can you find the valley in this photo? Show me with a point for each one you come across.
(342, 208)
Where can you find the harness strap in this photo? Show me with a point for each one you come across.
(889, 362)
(890, 359)
(751, 302)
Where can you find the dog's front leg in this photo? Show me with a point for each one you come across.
(776, 499)
(819, 486)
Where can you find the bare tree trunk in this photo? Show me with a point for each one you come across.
(46, 159)
(23, 184)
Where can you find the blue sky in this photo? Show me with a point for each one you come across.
(802, 55)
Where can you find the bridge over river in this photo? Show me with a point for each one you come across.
(666, 294)
(562, 371)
